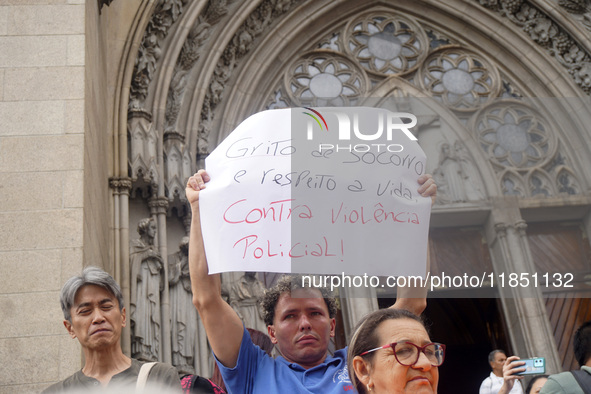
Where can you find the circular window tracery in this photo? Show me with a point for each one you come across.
(325, 78)
(514, 135)
(386, 45)
(354, 64)
(459, 78)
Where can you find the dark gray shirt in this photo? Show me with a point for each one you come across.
(161, 374)
(563, 383)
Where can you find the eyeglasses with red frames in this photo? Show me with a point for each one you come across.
(407, 353)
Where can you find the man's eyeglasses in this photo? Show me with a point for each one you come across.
(407, 353)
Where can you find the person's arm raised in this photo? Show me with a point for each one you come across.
(414, 298)
(223, 326)
(510, 368)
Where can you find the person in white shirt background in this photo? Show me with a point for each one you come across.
(493, 383)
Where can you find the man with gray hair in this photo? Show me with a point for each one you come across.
(94, 314)
(493, 383)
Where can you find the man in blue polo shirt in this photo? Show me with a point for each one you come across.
(300, 322)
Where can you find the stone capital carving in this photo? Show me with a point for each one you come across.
(158, 204)
(120, 185)
(173, 135)
(521, 227)
(139, 113)
(501, 229)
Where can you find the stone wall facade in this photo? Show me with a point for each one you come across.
(42, 135)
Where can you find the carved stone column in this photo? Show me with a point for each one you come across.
(528, 326)
(120, 188)
(158, 208)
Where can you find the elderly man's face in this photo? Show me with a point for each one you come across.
(96, 319)
(497, 363)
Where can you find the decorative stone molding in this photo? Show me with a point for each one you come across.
(550, 35)
(509, 91)
(242, 42)
(158, 205)
(437, 39)
(190, 53)
(575, 6)
(501, 230)
(521, 227)
(139, 113)
(173, 135)
(277, 100)
(120, 185)
(177, 169)
(166, 14)
(550, 180)
(512, 184)
(143, 147)
(579, 10)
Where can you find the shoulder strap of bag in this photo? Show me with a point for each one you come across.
(583, 379)
(142, 377)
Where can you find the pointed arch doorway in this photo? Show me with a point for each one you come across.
(223, 61)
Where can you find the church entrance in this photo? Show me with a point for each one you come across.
(469, 322)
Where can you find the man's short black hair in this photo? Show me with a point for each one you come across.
(582, 343)
(286, 284)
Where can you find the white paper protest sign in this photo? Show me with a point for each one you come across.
(317, 190)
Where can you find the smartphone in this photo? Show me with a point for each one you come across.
(533, 366)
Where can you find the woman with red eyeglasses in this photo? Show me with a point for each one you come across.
(391, 352)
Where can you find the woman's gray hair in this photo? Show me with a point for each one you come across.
(89, 276)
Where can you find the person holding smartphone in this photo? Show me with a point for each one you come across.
(502, 379)
(511, 368)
